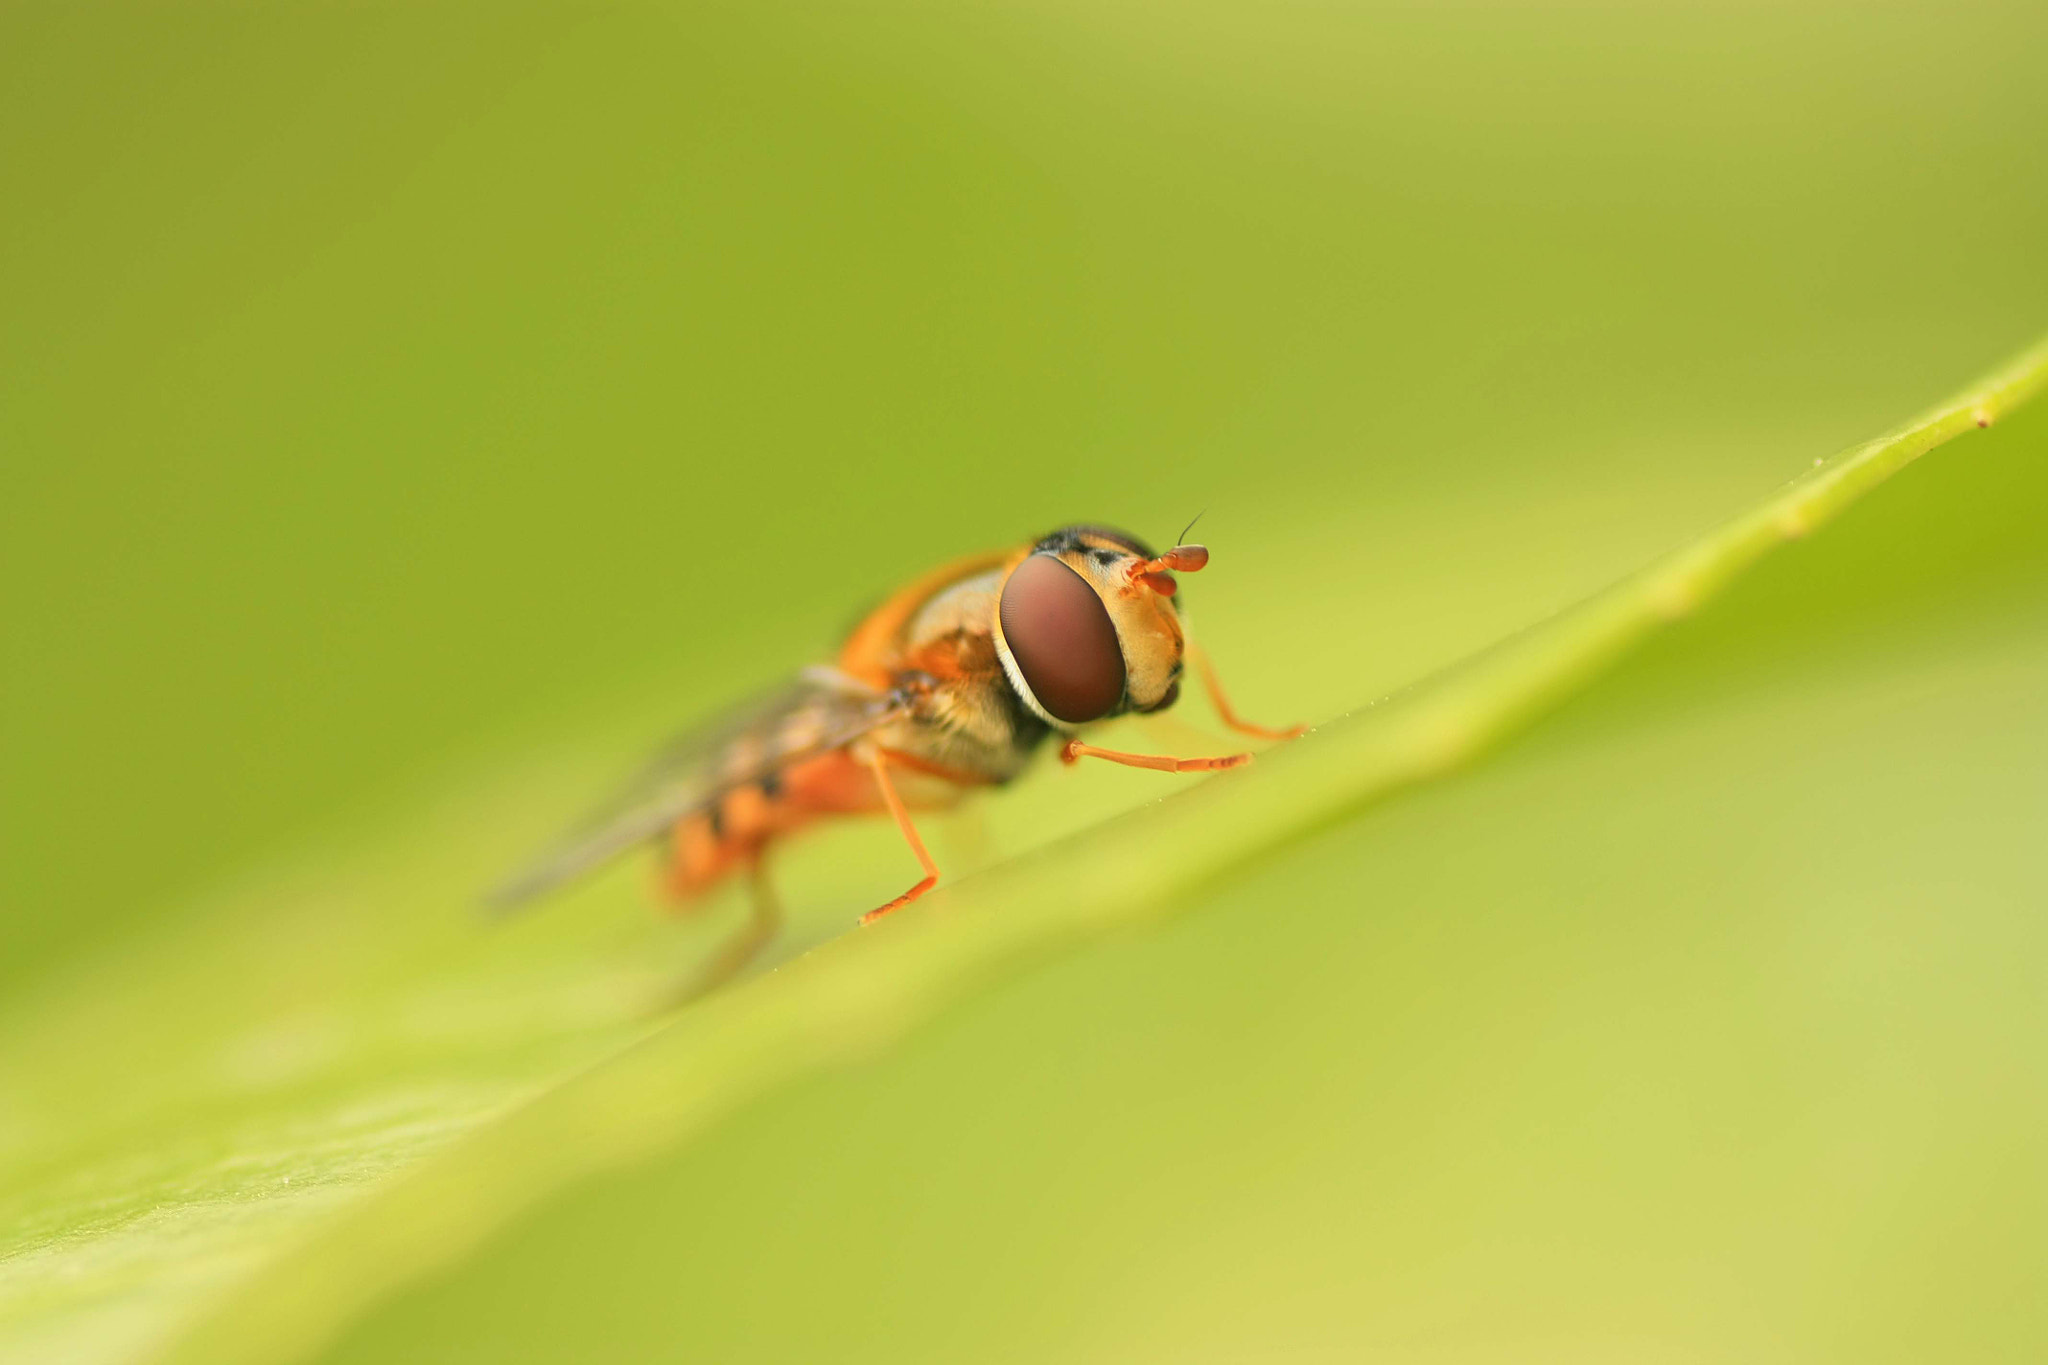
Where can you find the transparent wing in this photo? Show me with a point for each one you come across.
(820, 711)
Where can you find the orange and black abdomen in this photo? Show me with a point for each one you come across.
(730, 832)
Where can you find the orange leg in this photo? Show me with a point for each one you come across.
(1074, 750)
(880, 764)
(694, 858)
(1223, 708)
(736, 952)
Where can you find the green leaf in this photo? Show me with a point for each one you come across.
(855, 995)
(1704, 1022)
(415, 1105)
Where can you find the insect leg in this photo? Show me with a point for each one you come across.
(880, 764)
(691, 863)
(1074, 750)
(1214, 686)
(757, 933)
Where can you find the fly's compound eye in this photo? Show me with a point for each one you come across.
(1063, 641)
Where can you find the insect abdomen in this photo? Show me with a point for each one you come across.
(730, 832)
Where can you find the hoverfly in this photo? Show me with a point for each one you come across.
(953, 683)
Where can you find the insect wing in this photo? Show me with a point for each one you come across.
(815, 715)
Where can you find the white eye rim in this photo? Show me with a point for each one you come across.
(1023, 689)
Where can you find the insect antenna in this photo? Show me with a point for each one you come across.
(1182, 538)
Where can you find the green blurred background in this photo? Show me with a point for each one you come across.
(410, 411)
(382, 379)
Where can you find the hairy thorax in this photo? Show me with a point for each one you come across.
(970, 722)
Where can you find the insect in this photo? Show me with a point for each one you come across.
(953, 683)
